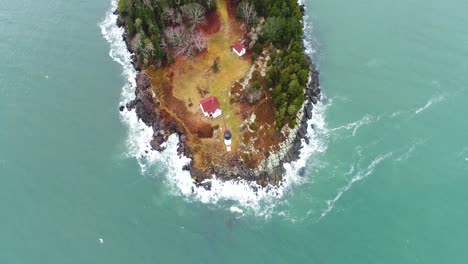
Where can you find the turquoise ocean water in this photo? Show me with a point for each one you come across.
(385, 180)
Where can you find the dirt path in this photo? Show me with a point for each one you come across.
(222, 9)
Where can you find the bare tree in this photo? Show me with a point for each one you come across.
(169, 15)
(194, 12)
(247, 12)
(149, 48)
(187, 42)
(136, 43)
(199, 41)
(172, 16)
(175, 36)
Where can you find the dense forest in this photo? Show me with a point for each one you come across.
(159, 30)
(289, 67)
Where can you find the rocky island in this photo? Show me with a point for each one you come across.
(229, 77)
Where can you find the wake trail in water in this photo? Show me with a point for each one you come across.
(354, 126)
(410, 150)
(359, 176)
(431, 101)
(239, 194)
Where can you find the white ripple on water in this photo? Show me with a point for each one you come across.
(241, 192)
(359, 176)
(431, 101)
(407, 154)
(354, 126)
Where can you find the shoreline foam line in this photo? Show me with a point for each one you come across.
(241, 193)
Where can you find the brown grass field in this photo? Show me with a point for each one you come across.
(194, 75)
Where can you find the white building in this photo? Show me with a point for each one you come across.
(239, 49)
(210, 107)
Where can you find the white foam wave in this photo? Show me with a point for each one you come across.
(236, 210)
(241, 193)
(354, 126)
(431, 101)
(359, 176)
(310, 42)
(139, 134)
(263, 200)
(118, 51)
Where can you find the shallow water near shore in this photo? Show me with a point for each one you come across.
(384, 178)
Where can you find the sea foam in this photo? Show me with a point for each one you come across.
(241, 195)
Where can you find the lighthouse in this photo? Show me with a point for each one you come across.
(227, 139)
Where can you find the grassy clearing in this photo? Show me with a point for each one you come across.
(194, 75)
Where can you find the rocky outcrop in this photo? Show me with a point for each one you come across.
(146, 106)
(272, 167)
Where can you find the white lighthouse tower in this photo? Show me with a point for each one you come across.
(227, 139)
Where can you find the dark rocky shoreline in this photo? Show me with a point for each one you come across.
(146, 107)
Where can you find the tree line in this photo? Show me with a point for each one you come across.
(288, 70)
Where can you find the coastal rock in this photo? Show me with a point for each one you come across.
(157, 141)
(302, 8)
(143, 83)
(144, 102)
(131, 105)
(314, 100)
(198, 175)
(121, 108)
(119, 22)
(301, 133)
(308, 110)
(144, 111)
(206, 185)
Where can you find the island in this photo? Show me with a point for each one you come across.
(231, 78)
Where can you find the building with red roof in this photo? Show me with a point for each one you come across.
(238, 48)
(210, 107)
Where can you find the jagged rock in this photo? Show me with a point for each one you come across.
(304, 127)
(302, 8)
(300, 133)
(121, 108)
(119, 22)
(157, 141)
(206, 185)
(308, 111)
(143, 83)
(198, 175)
(314, 100)
(181, 149)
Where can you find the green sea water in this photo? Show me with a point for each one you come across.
(386, 181)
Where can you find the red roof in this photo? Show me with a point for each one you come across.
(238, 47)
(210, 105)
